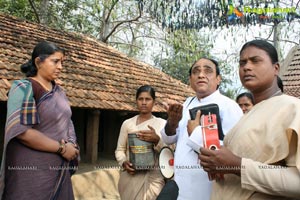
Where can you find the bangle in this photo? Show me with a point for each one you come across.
(61, 146)
(62, 153)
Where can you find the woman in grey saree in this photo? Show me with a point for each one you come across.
(39, 136)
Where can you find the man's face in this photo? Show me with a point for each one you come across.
(203, 78)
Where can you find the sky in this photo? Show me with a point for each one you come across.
(228, 44)
(228, 41)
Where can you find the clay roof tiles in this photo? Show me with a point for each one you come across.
(95, 75)
(291, 74)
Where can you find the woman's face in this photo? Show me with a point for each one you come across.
(145, 102)
(245, 104)
(50, 68)
(256, 70)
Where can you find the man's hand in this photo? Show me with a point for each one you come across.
(192, 124)
(174, 116)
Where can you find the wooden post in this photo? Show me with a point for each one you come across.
(92, 135)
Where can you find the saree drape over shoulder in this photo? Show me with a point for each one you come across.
(27, 173)
(267, 138)
(143, 185)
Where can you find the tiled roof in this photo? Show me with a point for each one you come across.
(291, 74)
(95, 75)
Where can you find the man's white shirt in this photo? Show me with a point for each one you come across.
(192, 180)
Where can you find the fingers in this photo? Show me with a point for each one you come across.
(151, 128)
(207, 152)
(176, 108)
(129, 167)
(198, 115)
(140, 136)
(146, 134)
(169, 103)
(71, 152)
(165, 105)
(206, 158)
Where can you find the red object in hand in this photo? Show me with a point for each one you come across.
(210, 132)
(211, 137)
(171, 162)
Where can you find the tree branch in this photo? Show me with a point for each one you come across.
(271, 32)
(289, 41)
(125, 44)
(123, 22)
(110, 10)
(35, 11)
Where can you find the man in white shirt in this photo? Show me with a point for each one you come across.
(205, 79)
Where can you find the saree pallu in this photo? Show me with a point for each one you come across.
(27, 173)
(267, 138)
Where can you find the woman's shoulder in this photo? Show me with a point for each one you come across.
(19, 86)
(131, 119)
(21, 82)
(287, 100)
(159, 119)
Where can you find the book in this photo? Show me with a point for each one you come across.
(205, 110)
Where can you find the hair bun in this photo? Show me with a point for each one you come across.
(27, 68)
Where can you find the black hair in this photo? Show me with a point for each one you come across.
(210, 59)
(145, 88)
(280, 83)
(263, 45)
(42, 50)
(246, 94)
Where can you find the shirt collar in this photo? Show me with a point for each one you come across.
(210, 97)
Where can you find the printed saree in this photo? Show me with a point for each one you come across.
(27, 173)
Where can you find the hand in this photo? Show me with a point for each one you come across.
(174, 116)
(128, 167)
(148, 135)
(192, 124)
(220, 161)
(70, 150)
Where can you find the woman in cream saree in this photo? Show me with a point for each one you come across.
(144, 184)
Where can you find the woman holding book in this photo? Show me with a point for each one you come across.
(140, 184)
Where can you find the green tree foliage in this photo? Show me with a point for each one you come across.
(195, 14)
(184, 48)
(118, 23)
(18, 8)
(126, 25)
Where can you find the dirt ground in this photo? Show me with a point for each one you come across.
(97, 181)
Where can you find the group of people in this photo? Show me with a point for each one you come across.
(258, 157)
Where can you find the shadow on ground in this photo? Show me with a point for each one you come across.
(97, 181)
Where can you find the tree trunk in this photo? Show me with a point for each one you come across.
(44, 12)
(276, 35)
